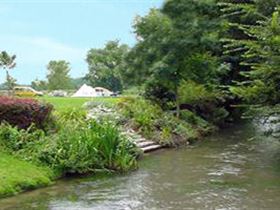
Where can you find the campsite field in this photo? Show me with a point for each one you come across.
(64, 103)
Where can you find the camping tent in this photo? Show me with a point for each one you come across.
(88, 91)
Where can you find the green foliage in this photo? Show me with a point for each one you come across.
(90, 146)
(15, 139)
(142, 112)
(62, 104)
(177, 43)
(260, 85)
(250, 50)
(78, 146)
(75, 114)
(106, 66)
(7, 62)
(159, 94)
(39, 85)
(161, 126)
(193, 93)
(193, 119)
(78, 82)
(78, 152)
(58, 75)
(17, 175)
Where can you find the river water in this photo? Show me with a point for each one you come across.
(237, 168)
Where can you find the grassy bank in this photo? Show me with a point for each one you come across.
(67, 103)
(31, 158)
(17, 175)
(77, 145)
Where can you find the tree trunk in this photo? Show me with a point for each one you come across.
(177, 109)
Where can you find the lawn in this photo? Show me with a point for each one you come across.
(18, 175)
(64, 103)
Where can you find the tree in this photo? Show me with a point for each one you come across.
(178, 42)
(7, 62)
(58, 75)
(39, 84)
(262, 55)
(237, 13)
(256, 84)
(106, 65)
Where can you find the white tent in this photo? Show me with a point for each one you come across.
(100, 91)
(85, 91)
(88, 91)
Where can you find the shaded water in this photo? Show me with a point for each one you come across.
(235, 169)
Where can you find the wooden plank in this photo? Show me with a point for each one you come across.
(151, 148)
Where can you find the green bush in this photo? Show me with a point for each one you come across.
(77, 147)
(158, 125)
(194, 93)
(78, 115)
(193, 119)
(15, 139)
(90, 146)
(143, 113)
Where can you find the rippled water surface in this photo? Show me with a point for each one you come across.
(236, 169)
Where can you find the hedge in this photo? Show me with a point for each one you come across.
(22, 112)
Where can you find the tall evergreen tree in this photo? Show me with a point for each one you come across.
(239, 13)
(262, 55)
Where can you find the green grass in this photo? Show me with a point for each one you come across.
(18, 175)
(65, 103)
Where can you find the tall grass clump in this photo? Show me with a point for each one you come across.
(76, 147)
(88, 146)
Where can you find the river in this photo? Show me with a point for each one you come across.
(237, 168)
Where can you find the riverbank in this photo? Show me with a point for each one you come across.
(81, 145)
(227, 170)
(17, 175)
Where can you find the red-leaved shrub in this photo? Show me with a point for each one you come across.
(23, 112)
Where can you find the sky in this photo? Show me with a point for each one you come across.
(38, 31)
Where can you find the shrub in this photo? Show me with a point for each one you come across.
(24, 112)
(193, 119)
(143, 113)
(15, 139)
(159, 94)
(78, 115)
(90, 146)
(77, 147)
(194, 93)
(162, 126)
